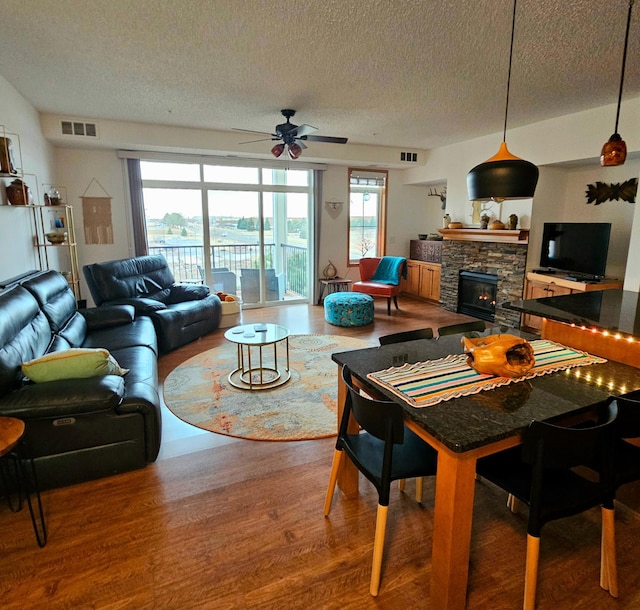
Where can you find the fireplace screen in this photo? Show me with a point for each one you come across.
(477, 294)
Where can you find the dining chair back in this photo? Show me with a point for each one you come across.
(541, 474)
(463, 328)
(626, 454)
(384, 450)
(407, 335)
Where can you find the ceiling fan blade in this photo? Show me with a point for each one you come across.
(261, 140)
(304, 130)
(266, 133)
(301, 144)
(328, 139)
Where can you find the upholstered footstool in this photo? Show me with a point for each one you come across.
(348, 309)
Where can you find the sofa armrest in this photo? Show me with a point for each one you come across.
(108, 316)
(180, 293)
(142, 306)
(65, 397)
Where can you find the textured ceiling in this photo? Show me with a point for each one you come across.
(408, 73)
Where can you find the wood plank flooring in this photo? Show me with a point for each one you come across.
(225, 523)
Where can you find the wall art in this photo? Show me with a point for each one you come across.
(600, 192)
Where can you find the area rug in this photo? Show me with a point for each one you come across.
(199, 393)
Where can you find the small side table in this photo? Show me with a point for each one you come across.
(11, 433)
(336, 284)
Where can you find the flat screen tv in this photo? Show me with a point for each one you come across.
(578, 249)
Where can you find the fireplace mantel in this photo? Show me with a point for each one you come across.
(517, 236)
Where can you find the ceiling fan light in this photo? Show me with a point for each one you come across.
(294, 150)
(503, 176)
(277, 150)
(614, 151)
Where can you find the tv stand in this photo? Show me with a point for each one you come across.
(549, 284)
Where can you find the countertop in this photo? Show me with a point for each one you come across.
(610, 310)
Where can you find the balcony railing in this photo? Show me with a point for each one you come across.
(187, 263)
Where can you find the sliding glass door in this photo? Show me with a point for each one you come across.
(256, 241)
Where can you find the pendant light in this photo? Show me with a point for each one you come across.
(503, 176)
(614, 152)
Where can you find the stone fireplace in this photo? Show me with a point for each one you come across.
(473, 250)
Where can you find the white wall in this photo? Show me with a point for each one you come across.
(548, 144)
(96, 173)
(16, 222)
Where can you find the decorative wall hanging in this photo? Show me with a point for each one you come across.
(442, 195)
(601, 192)
(96, 214)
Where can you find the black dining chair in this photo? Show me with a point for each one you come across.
(540, 474)
(407, 335)
(384, 450)
(626, 454)
(465, 328)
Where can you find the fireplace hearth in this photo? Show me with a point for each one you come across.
(477, 294)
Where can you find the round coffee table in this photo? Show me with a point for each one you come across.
(252, 373)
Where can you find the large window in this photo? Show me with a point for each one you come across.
(367, 209)
(241, 230)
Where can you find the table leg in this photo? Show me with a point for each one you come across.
(455, 487)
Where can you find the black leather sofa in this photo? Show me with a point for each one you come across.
(78, 429)
(181, 313)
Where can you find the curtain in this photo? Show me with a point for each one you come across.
(137, 207)
(317, 224)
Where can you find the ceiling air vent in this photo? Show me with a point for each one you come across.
(409, 156)
(74, 127)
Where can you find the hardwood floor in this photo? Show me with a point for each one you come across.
(226, 523)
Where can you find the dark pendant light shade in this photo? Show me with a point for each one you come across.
(614, 151)
(503, 176)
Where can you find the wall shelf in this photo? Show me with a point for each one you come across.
(516, 236)
(57, 218)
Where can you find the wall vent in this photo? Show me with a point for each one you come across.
(409, 156)
(76, 127)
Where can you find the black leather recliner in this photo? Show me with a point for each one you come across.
(181, 313)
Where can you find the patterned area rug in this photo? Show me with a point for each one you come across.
(199, 393)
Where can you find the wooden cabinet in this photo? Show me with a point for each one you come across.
(423, 280)
(540, 286)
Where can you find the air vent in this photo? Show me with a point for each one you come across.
(408, 156)
(75, 127)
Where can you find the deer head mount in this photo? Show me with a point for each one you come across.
(442, 195)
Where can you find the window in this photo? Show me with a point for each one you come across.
(367, 210)
(240, 229)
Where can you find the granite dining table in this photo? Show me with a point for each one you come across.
(470, 427)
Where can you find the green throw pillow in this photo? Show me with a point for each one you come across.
(74, 363)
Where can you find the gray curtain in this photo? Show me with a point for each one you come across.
(137, 207)
(317, 225)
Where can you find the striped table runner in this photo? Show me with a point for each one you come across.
(425, 384)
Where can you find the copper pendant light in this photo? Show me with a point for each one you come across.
(614, 151)
(503, 176)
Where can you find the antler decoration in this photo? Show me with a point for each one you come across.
(442, 195)
(601, 192)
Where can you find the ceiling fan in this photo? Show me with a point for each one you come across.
(292, 137)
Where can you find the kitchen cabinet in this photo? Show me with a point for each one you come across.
(423, 280)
